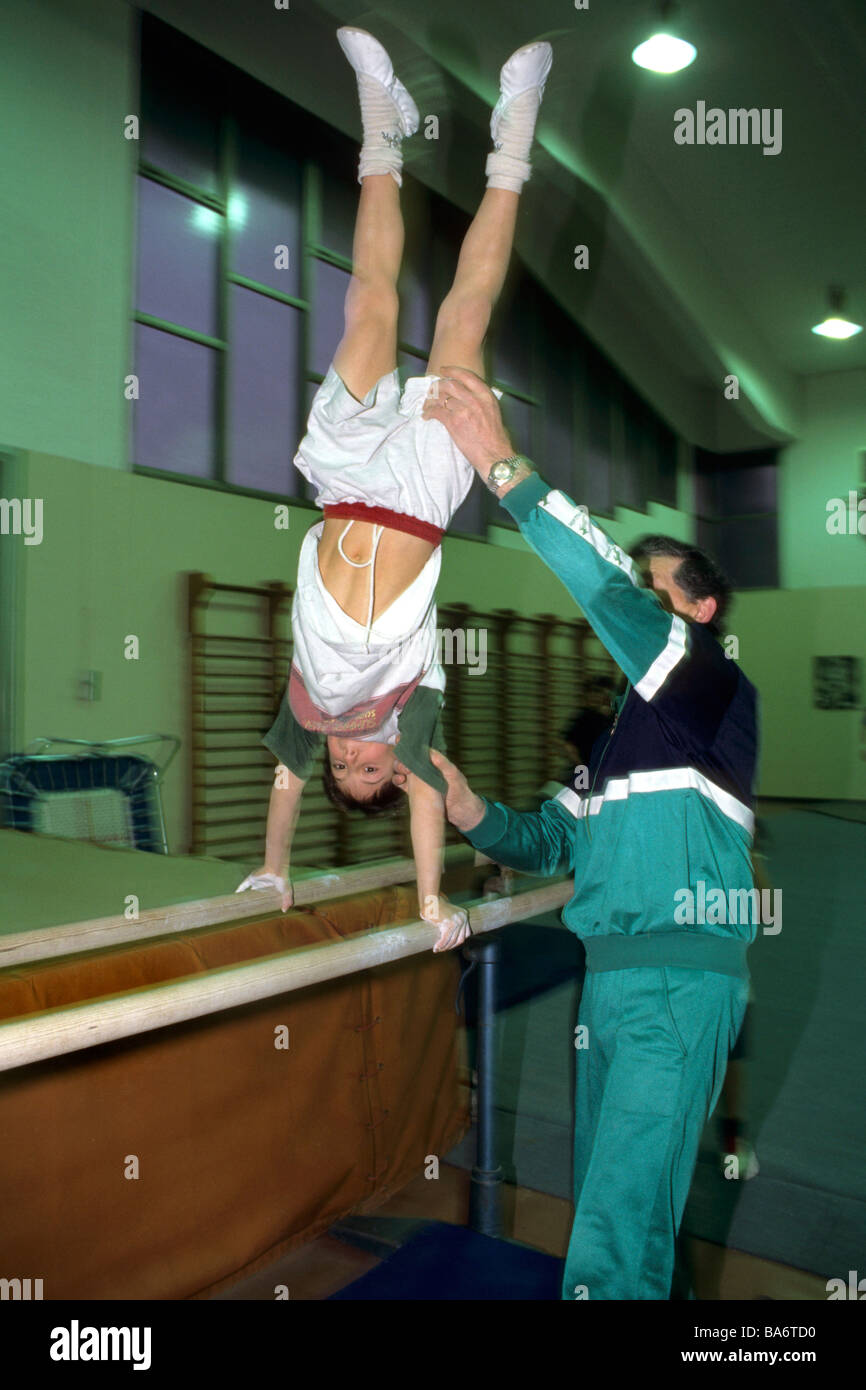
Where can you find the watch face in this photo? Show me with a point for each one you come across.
(502, 472)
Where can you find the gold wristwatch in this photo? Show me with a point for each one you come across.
(503, 471)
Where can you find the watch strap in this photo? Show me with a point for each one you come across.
(513, 459)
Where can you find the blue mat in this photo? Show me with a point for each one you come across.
(451, 1263)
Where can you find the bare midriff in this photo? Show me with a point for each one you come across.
(399, 560)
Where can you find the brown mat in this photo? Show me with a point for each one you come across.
(166, 1166)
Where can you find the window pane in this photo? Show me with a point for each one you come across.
(416, 289)
(177, 258)
(416, 325)
(410, 365)
(746, 550)
(749, 487)
(518, 417)
(593, 454)
(178, 131)
(326, 328)
(512, 333)
(733, 484)
(666, 467)
(339, 206)
(555, 431)
(264, 212)
(174, 415)
(263, 393)
(636, 437)
(470, 517)
(554, 449)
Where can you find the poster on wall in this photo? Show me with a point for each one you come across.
(836, 682)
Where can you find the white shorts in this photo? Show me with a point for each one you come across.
(381, 452)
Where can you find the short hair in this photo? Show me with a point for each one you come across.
(698, 575)
(387, 801)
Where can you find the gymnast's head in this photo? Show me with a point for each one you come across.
(686, 580)
(358, 776)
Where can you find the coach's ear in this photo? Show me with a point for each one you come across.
(705, 610)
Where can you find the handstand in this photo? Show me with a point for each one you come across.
(365, 671)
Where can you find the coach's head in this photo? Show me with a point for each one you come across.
(686, 580)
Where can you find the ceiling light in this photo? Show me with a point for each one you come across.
(664, 50)
(835, 326)
(664, 53)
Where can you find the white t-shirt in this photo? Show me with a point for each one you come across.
(340, 666)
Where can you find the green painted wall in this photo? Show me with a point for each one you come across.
(807, 752)
(824, 463)
(67, 75)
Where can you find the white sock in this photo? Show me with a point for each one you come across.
(508, 166)
(383, 131)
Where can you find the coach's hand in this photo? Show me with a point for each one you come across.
(463, 808)
(470, 412)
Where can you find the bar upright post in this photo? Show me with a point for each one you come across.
(485, 1193)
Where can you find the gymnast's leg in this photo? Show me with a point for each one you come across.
(464, 316)
(368, 348)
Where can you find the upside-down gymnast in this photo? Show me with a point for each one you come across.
(365, 671)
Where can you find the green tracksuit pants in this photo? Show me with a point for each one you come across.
(652, 1048)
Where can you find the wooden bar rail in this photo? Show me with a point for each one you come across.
(56, 1032)
(73, 937)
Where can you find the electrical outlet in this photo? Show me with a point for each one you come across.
(90, 685)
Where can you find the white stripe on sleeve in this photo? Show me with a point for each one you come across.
(665, 662)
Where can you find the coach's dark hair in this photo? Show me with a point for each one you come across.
(387, 801)
(698, 575)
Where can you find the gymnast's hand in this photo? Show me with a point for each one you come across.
(453, 922)
(264, 878)
(468, 409)
(462, 807)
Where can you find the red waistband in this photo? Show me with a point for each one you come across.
(380, 516)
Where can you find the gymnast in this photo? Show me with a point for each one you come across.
(365, 672)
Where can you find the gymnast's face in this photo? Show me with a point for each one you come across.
(361, 768)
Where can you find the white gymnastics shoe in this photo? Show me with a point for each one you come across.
(512, 124)
(369, 59)
(526, 70)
